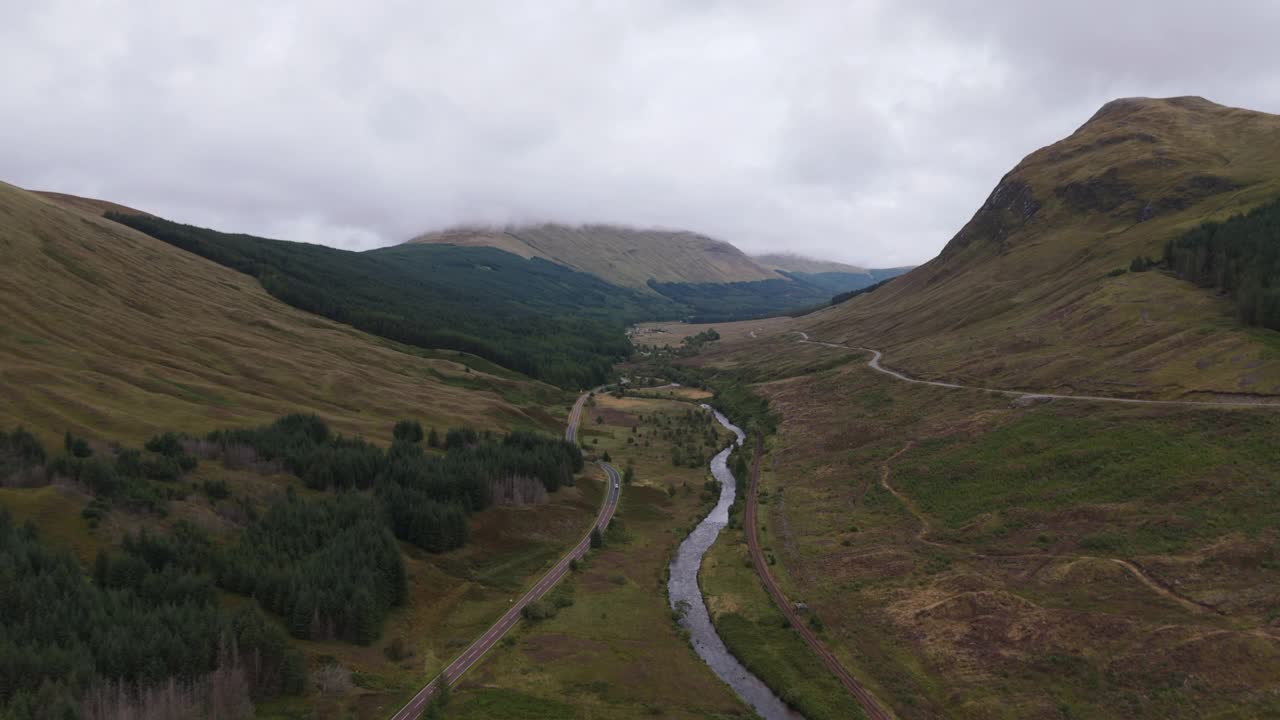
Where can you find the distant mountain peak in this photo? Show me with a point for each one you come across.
(796, 262)
(626, 256)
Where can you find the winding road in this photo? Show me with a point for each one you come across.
(876, 356)
(464, 662)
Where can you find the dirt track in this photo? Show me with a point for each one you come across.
(870, 705)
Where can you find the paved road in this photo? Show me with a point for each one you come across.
(613, 479)
(876, 356)
(575, 416)
(872, 707)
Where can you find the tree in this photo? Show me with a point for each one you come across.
(433, 438)
(408, 431)
(76, 446)
(606, 457)
(597, 538)
(629, 475)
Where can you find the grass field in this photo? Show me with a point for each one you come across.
(615, 652)
(973, 559)
(761, 637)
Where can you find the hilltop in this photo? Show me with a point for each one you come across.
(623, 256)
(792, 262)
(1034, 291)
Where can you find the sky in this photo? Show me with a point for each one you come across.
(867, 132)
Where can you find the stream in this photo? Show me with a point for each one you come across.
(683, 588)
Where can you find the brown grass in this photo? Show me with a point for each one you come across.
(115, 335)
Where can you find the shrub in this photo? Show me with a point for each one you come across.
(162, 468)
(76, 446)
(408, 431)
(1141, 264)
(332, 679)
(397, 650)
(22, 447)
(536, 611)
(216, 489)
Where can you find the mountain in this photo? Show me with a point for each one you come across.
(1034, 291)
(109, 332)
(540, 318)
(974, 555)
(791, 262)
(711, 280)
(627, 257)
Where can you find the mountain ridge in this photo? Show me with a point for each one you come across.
(797, 262)
(624, 256)
(1032, 291)
(95, 336)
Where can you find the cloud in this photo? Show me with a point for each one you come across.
(861, 131)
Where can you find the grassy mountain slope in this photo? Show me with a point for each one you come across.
(1025, 295)
(111, 333)
(116, 336)
(530, 315)
(627, 257)
(970, 557)
(976, 558)
(93, 206)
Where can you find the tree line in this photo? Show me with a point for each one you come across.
(427, 496)
(139, 619)
(1239, 257)
(530, 315)
(144, 625)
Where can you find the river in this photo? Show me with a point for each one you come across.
(683, 587)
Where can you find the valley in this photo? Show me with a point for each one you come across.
(973, 557)
(1034, 477)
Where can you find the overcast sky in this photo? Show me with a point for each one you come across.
(861, 131)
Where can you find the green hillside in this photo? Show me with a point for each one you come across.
(966, 554)
(622, 256)
(1035, 291)
(533, 316)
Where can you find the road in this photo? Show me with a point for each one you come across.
(613, 484)
(876, 356)
(870, 705)
(575, 416)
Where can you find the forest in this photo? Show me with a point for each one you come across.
(144, 626)
(846, 296)
(69, 639)
(1239, 257)
(727, 302)
(532, 316)
(427, 496)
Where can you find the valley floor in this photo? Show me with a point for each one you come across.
(614, 650)
(973, 557)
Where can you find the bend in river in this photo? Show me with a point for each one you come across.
(683, 588)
